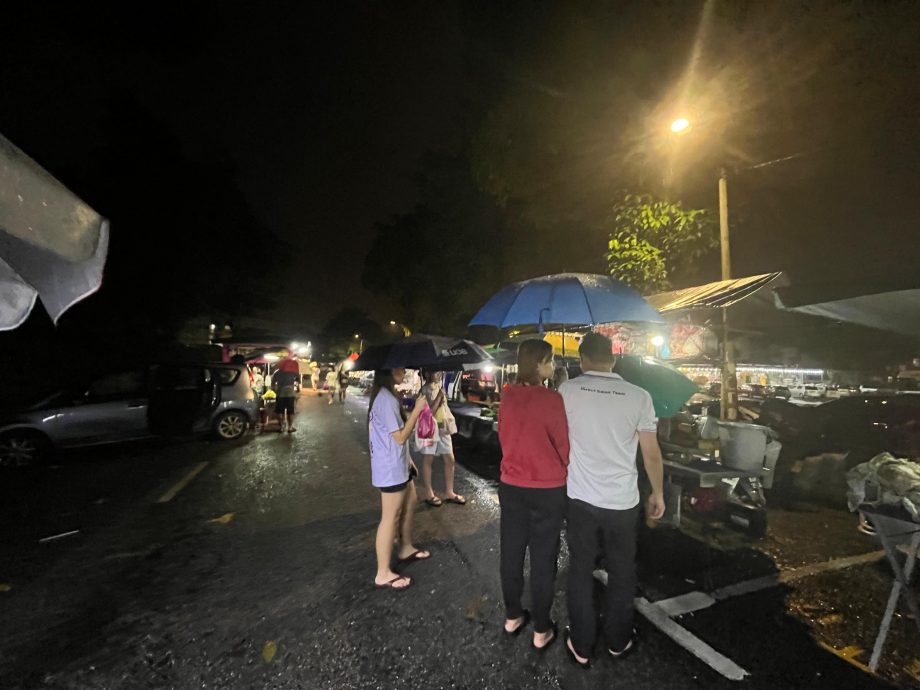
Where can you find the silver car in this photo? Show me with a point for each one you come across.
(164, 399)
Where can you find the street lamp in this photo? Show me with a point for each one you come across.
(404, 327)
(680, 125)
(361, 344)
(729, 398)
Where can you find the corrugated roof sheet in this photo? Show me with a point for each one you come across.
(722, 293)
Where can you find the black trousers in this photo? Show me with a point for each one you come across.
(587, 527)
(531, 518)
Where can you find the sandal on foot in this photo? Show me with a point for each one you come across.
(392, 583)
(625, 652)
(572, 654)
(517, 631)
(415, 556)
(555, 630)
(456, 498)
(434, 502)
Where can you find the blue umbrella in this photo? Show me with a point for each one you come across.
(567, 299)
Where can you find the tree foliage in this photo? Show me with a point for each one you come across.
(439, 262)
(338, 335)
(649, 238)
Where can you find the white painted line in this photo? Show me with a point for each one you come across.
(793, 574)
(55, 537)
(685, 603)
(702, 651)
(834, 564)
(182, 483)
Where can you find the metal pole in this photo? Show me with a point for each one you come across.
(729, 398)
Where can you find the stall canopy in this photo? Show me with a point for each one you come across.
(52, 245)
(722, 293)
(896, 310)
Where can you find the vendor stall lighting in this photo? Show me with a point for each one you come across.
(657, 340)
(488, 368)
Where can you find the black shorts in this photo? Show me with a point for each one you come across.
(283, 405)
(396, 488)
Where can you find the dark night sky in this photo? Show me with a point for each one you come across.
(326, 111)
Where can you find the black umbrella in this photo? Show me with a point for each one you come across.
(418, 351)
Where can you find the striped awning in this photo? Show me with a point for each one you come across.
(722, 293)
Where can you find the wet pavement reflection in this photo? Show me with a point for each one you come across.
(258, 574)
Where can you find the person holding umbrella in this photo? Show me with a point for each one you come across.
(392, 472)
(534, 437)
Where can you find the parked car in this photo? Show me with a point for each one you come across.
(780, 392)
(477, 382)
(164, 399)
(869, 423)
(872, 422)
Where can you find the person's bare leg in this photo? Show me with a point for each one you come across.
(427, 490)
(390, 504)
(406, 547)
(450, 466)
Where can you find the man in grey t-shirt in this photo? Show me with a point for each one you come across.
(608, 420)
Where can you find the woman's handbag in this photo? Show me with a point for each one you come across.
(425, 431)
(450, 423)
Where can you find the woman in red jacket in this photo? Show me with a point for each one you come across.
(534, 436)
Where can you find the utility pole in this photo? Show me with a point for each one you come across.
(729, 397)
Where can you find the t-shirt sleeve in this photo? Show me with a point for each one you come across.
(647, 419)
(386, 413)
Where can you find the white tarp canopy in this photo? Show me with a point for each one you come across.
(52, 245)
(895, 310)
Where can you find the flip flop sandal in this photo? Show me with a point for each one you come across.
(541, 650)
(412, 557)
(517, 631)
(434, 502)
(389, 585)
(625, 652)
(570, 652)
(458, 499)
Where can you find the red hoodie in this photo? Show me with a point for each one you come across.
(534, 434)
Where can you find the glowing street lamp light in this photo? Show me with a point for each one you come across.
(729, 402)
(680, 125)
(404, 327)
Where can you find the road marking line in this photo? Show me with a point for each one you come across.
(55, 537)
(793, 574)
(716, 661)
(661, 613)
(182, 483)
(685, 603)
(848, 654)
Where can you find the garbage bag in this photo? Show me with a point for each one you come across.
(885, 480)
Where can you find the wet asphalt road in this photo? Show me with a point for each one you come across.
(258, 572)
